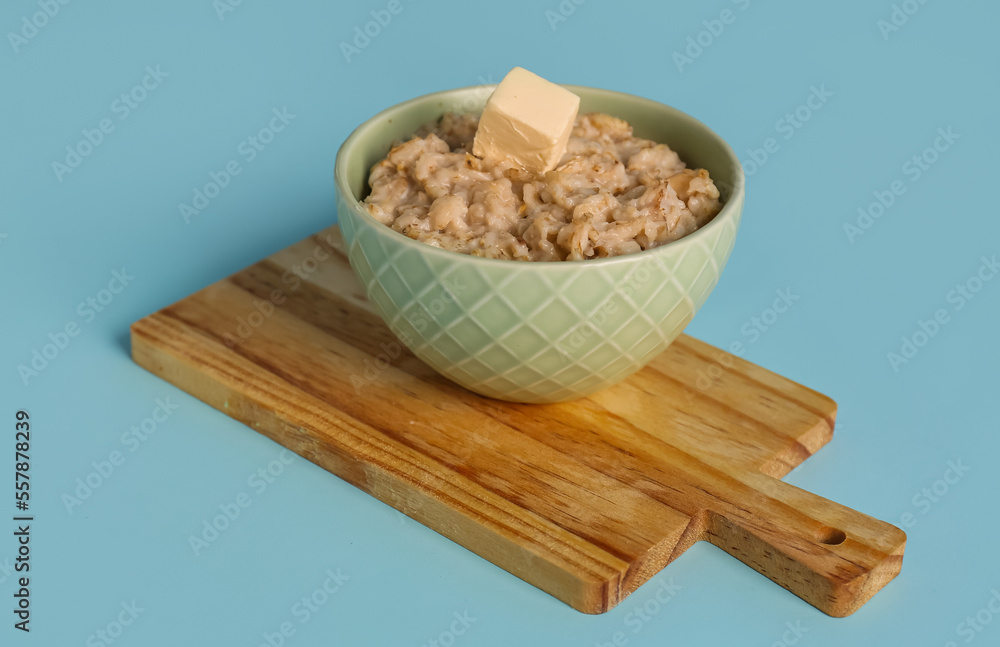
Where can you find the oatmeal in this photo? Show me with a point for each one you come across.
(610, 194)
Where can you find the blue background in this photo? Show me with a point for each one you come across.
(62, 236)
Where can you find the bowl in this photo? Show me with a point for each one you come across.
(536, 331)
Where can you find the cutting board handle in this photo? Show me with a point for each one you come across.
(833, 557)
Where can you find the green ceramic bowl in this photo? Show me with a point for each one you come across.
(542, 331)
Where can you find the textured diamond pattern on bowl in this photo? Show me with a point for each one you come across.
(505, 330)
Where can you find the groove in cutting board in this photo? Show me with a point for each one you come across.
(586, 500)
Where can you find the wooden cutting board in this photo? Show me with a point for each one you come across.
(586, 500)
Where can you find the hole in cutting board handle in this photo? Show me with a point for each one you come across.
(830, 536)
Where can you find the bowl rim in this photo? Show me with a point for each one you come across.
(730, 210)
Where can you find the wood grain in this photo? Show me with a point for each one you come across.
(586, 500)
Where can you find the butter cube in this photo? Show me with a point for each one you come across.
(528, 120)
